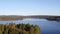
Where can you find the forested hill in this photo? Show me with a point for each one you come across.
(18, 17)
(13, 28)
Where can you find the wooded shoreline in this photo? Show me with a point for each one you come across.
(15, 17)
(13, 28)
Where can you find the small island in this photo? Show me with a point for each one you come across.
(13, 28)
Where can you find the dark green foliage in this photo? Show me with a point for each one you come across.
(36, 29)
(1, 27)
(31, 30)
(19, 29)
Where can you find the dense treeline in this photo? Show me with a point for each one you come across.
(11, 18)
(19, 29)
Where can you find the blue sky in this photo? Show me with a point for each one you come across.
(30, 7)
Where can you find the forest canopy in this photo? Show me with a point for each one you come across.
(13, 28)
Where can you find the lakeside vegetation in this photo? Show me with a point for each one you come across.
(13, 28)
(11, 18)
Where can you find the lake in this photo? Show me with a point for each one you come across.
(47, 27)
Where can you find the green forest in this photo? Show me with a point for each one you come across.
(13, 28)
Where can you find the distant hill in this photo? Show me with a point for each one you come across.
(18, 17)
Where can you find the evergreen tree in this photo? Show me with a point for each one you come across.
(31, 30)
(19, 29)
(1, 27)
(36, 29)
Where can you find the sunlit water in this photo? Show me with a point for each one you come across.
(47, 27)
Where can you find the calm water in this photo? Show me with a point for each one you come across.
(47, 27)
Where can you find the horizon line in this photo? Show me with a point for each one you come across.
(29, 15)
